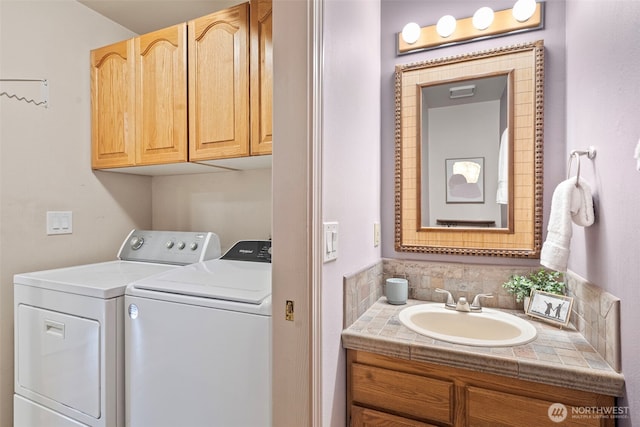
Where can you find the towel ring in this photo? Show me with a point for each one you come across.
(590, 153)
(577, 156)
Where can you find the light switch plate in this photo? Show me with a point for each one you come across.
(376, 234)
(59, 222)
(330, 241)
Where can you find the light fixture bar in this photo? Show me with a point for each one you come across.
(503, 23)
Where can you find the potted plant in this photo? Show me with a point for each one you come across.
(542, 280)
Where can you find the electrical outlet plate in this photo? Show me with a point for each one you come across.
(59, 222)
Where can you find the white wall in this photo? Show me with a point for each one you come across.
(234, 205)
(350, 170)
(45, 156)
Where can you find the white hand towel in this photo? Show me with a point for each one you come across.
(636, 155)
(582, 213)
(569, 203)
(502, 194)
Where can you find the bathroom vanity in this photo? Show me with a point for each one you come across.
(400, 378)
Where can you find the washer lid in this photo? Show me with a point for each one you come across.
(101, 280)
(241, 281)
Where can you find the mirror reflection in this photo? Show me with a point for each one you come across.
(464, 152)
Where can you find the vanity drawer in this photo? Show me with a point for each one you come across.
(402, 393)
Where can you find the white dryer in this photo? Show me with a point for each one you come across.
(198, 343)
(69, 334)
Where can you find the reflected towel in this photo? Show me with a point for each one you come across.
(570, 202)
(502, 195)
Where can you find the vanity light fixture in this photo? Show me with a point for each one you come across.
(411, 33)
(524, 9)
(446, 26)
(483, 18)
(526, 15)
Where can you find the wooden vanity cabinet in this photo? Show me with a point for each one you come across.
(161, 96)
(113, 105)
(386, 391)
(219, 85)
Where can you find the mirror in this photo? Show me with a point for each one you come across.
(464, 152)
(469, 153)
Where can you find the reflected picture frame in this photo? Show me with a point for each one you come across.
(459, 189)
(550, 307)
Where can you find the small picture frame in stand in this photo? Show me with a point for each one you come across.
(549, 307)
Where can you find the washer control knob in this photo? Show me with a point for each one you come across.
(169, 244)
(193, 246)
(181, 245)
(136, 243)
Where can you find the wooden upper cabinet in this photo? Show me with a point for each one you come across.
(219, 85)
(161, 96)
(113, 106)
(261, 77)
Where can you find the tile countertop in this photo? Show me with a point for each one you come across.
(560, 357)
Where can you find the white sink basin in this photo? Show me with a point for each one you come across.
(488, 328)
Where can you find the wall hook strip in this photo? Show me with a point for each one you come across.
(45, 92)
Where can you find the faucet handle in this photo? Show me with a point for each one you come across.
(449, 296)
(476, 299)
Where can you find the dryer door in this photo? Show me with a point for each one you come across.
(58, 357)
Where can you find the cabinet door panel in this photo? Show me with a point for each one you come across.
(493, 409)
(113, 106)
(219, 85)
(261, 77)
(161, 96)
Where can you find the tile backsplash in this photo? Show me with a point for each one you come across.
(596, 313)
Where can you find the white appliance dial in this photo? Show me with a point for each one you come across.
(136, 243)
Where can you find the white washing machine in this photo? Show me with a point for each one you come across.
(69, 333)
(198, 343)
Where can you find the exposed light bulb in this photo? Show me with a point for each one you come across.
(483, 18)
(411, 33)
(524, 9)
(446, 26)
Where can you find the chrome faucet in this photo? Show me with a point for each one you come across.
(463, 304)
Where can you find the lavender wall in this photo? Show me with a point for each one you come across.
(592, 97)
(396, 13)
(350, 172)
(603, 101)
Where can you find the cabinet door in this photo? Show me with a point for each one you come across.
(113, 106)
(363, 417)
(161, 96)
(261, 77)
(493, 408)
(219, 85)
